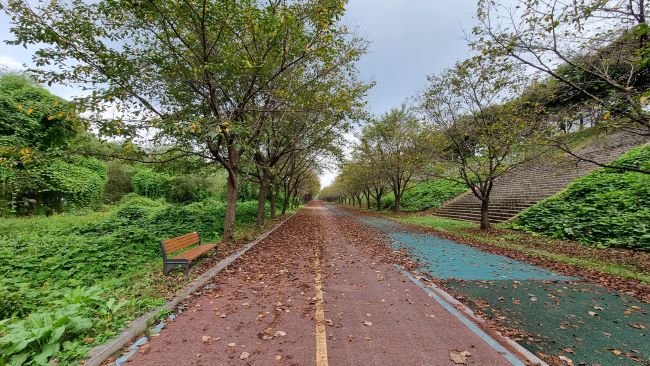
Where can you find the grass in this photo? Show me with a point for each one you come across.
(439, 223)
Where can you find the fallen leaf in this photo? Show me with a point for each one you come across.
(592, 313)
(144, 349)
(637, 326)
(367, 323)
(278, 357)
(458, 357)
(206, 339)
(232, 344)
(567, 360)
(616, 352)
(244, 355)
(279, 333)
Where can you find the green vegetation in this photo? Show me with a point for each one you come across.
(439, 223)
(47, 263)
(426, 195)
(607, 207)
(80, 236)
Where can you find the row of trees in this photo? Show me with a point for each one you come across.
(535, 76)
(264, 89)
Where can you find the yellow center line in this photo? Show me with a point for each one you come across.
(321, 336)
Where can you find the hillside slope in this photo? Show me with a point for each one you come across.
(530, 183)
(606, 207)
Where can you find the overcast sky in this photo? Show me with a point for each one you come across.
(409, 39)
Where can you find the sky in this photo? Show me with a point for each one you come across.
(409, 39)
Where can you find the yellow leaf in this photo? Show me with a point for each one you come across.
(49, 118)
(29, 111)
(607, 115)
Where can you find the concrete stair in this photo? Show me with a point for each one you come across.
(527, 184)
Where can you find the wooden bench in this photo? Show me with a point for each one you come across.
(173, 245)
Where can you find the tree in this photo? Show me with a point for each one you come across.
(318, 125)
(375, 180)
(480, 126)
(32, 121)
(396, 139)
(596, 50)
(198, 73)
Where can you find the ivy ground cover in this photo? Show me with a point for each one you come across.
(69, 282)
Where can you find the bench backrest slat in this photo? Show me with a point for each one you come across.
(180, 242)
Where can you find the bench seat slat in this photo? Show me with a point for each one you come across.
(195, 252)
(174, 244)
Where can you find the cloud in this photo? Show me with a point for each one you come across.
(10, 63)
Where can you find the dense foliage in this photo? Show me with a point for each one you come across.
(607, 207)
(149, 183)
(45, 261)
(425, 195)
(431, 194)
(32, 119)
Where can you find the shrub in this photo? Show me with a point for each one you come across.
(134, 199)
(150, 184)
(58, 187)
(425, 195)
(188, 188)
(431, 194)
(98, 167)
(48, 188)
(606, 207)
(119, 181)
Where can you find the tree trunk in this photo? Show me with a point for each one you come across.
(379, 201)
(367, 194)
(397, 191)
(285, 200)
(274, 195)
(485, 214)
(261, 198)
(231, 204)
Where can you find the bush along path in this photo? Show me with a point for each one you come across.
(322, 289)
(563, 319)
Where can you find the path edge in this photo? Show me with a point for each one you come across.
(477, 319)
(100, 353)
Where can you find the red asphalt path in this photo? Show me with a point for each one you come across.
(264, 310)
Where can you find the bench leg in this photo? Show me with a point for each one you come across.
(167, 267)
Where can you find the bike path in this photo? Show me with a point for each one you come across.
(564, 320)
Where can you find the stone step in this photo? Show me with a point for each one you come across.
(527, 184)
(464, 217)
(477, 213)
